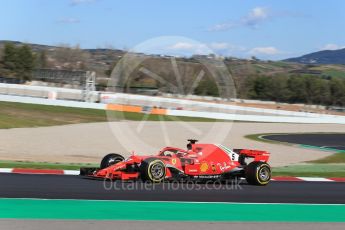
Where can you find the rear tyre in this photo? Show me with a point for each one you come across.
(153, 170)
(111, 159)
(258, 173)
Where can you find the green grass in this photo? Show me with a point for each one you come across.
(335, 158)
(19, 115)
(334, 73)
(311, 170)
(262, 67)
(281, 64)
(331, 70)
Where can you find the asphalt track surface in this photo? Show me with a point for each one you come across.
(334, 141)
(75, 187)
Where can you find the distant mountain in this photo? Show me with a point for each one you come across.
(321, 57)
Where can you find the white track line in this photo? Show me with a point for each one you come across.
(6, 170)
(71, 172)
(315, 179)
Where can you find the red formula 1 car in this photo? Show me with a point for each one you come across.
(198, 162)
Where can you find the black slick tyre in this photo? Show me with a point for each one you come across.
(110, 159)
(152, 170)
(258, 173)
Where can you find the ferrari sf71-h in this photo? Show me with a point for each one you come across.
(198, 162)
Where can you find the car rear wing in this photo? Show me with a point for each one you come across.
(258, 155)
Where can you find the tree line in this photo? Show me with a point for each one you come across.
(20, 61)
(17, 62)
(305, 89)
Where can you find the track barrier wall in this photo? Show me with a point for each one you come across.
(165, 106)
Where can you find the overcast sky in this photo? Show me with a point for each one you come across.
(266, 29)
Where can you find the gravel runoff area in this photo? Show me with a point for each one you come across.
(89, 142)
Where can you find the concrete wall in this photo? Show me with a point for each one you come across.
(132, 99)
(44, 101)
(40, 91)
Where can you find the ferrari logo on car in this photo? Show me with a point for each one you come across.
(213, 168)
(173, 161)
(203, 167)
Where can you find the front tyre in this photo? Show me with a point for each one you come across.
(258, 173)
(153, 170)
(111, 159)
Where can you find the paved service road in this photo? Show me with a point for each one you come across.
(149, 225)
(75, 187)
